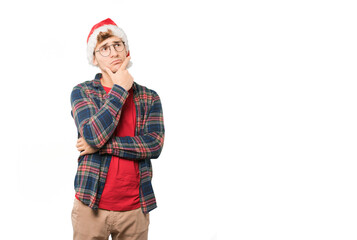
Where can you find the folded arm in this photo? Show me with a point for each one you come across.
(95, 125)
(147, 145)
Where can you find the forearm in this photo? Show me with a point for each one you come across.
(136, 148)
(96, 126)
(146, 145)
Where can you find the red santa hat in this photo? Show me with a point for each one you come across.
(104, 26)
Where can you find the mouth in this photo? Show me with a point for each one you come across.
(116, 62)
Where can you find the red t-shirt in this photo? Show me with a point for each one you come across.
(121, 189)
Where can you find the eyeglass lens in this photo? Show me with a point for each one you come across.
(105, 50)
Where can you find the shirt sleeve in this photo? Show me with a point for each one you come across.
(95, 125)
(147, 145)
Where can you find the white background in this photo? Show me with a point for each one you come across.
(259, 102)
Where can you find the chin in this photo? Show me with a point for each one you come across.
(115, 68)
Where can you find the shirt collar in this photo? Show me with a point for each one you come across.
(97, 82)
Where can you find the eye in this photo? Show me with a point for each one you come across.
(117, 45)
(103, 48)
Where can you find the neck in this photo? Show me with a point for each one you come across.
(106, 81)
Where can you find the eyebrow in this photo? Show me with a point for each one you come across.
(110, 43)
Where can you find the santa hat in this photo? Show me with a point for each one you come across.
(104, 26)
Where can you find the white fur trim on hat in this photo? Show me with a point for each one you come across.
(92, 41)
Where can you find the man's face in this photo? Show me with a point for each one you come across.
(115, 58)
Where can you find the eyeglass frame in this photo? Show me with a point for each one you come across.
(110, 49)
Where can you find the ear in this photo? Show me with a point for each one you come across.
(95, 61)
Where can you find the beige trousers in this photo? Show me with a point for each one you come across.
(88, 224)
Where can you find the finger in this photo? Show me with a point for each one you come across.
(125, 63)
(83, 153)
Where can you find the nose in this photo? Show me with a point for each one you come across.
(113, 52)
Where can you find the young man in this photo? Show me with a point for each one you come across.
(120, 129)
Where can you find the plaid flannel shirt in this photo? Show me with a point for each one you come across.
(96, 116)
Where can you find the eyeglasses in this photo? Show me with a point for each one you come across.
(106, 49)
